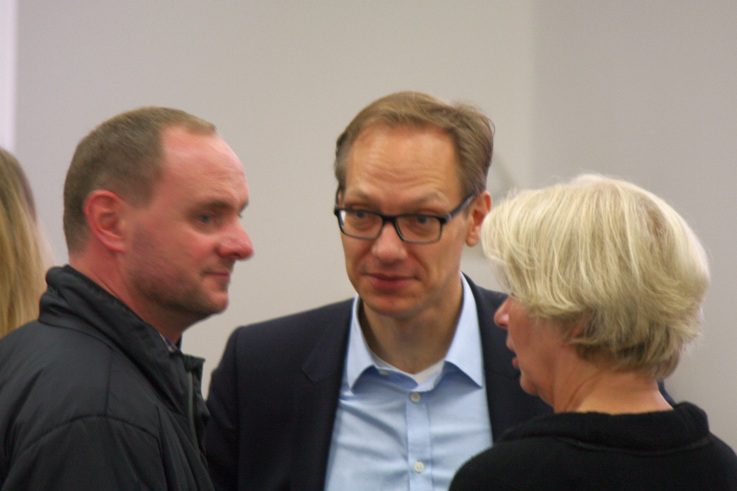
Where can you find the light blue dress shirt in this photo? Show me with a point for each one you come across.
(394, 432)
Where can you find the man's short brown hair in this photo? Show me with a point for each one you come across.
(471, 131)
(123, 154)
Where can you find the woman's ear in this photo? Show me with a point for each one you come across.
(105, 213)
(479, 208)
(576, 327)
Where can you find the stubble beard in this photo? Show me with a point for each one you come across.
(175, 294)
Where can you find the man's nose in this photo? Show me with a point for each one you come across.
(388, 245)
(237, 244)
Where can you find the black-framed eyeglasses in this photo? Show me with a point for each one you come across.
(414, 228)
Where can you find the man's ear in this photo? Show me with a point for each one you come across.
(105, 213)
(479, 208)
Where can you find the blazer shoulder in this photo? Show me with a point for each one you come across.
(295, 330)
(490, 299)
(311, 342)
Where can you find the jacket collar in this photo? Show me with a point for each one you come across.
(74, 301)
(659, 431)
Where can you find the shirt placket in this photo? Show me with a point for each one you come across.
(419, 457)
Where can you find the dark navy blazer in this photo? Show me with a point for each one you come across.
(274, 397)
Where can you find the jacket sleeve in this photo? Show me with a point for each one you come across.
(90, 453)
(221, 434)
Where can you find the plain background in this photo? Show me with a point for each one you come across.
(644, 90)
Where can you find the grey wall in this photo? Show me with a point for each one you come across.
(649, 94)
(8, 53)
(645, 92)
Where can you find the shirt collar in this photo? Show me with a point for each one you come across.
(465, 349)
(359, 358)
(173, 348)
(464, 352)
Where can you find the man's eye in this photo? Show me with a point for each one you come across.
(420, 221)
(206, 218)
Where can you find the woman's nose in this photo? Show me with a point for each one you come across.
(501, 316)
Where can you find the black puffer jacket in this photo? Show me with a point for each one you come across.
(92, 398)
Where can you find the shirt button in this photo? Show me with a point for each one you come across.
(419, 467)
(415, 397)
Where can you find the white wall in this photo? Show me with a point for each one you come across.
(645, 92)
(8, 53)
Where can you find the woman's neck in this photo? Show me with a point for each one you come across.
(593, 389)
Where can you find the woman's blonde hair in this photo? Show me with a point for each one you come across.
(613, 265)
(22, 256)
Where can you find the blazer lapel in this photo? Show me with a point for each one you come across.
(508, 404)
(316, 401)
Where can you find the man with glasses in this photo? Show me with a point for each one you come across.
(394, 389)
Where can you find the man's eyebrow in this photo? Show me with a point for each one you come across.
(221, 205)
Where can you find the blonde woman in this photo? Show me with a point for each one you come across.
(606, 283)
(22, 253)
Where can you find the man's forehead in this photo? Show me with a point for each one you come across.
(176, 140)
(359, 192)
